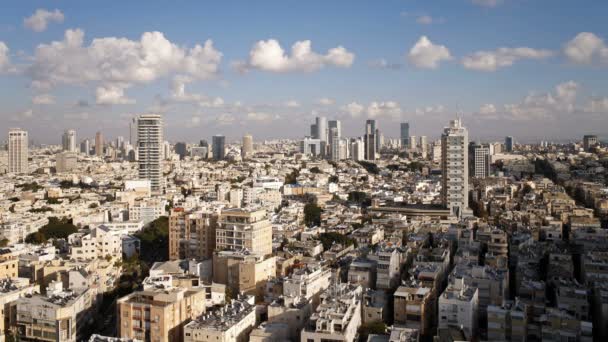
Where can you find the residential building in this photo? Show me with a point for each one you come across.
(150, 149)
(17, 151)
(192, 234)
(240, 229)
(454, 168)
(232, 323)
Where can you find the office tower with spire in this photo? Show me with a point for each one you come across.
(405, 134)
(455, 168)
(68, 140)
(99, 144)
(218, 147)
(370, 140)
(17, 151)
(247, 148)
(150, 149)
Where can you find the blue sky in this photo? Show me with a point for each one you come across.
(539, 87)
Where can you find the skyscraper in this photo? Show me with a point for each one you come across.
(150, 149)
(181, 150)
(479, 160)
(219, 147)
(85, 147)
(405, 134)
(247, 148)
(370, 140)
(133, 132)
(423, 145)
(509, 144)
(98, 144)
(17, 151)
(589, 141)
(455, 168)
(68, 140)
(322, 132)
(335, 124)
(334, 144)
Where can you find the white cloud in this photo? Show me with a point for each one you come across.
(27, 113)
(354, 109)
(268, 55)
(325, 101)
(5, 61)
(438, 109)
(113, 64)
(586, 48)
(112, 94)
(215, 102)
(178, 90)
(487, 109)
(225, 119)
(259, 116)
(382, 63)
(389, 109)
(426, 55)
(39, 21)
(424, 20)
(195, 121)
(597, 105)
(502, 57)
(292, 104)
(487, 3)
(43, 99)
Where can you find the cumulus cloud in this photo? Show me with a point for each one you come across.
(325, 101)
(40, 20)
(43, 99)
(382, 63)
(597, 105)
(114, 64)
(268, 55)
(487, 109)
(259, 116)
(178, 90)
(225, 119)
(292, 104)
(354, 109)
(502, 57)
(426, 55)
(438, 109)
(586, 48)
(487, 3)
(109, 94)
(5, 61)
(389, 109)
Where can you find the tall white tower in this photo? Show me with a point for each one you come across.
(247, 148)
(68, 140)
(150, 149)
(455, 168)
(17, 150)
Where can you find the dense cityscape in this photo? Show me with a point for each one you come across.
(323, 239)
(313, 171)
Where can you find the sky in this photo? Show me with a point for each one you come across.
(533, 69)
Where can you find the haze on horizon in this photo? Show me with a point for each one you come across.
(536, 70)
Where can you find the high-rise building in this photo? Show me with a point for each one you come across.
(68, 140)
(181, 150)
(65, 161)
(405, 134)
(423, 144)
(85, 146)
(479, 160)
(219, 147)
(322, 132)
(413, 142)
(150, 149)
(240, 229)
(334, 144)
(99, 144)
(133, 131)
(509, 144)
(247, 148)
(589, 141)
(370, 140)
(311, 146)
(335, 124)
(455, 168)
(357, 149)
(17, 151)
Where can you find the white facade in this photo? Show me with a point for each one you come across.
(68, 140)
(150, 149)
(17, 151)
(99, 243)
(307, 283)
(455, 168)
(458, 308)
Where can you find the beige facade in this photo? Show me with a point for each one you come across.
(158, 315)
(414, 308)
(243, 272)
(191, 235)
(244, 229)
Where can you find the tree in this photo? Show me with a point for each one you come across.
(155, 240)
(292, 178)
(333, 179)
(359, 197)
(328, 239)
(369, 166)
(315, 170)
(370, 328)
(36, 238)
(312, 215)
(4, 242)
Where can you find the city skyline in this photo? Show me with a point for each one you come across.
(396, 62)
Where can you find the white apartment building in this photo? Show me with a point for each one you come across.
(455, 168)
(150, 149)
(458, 307)
(147, 209)
(307, 282)
(17, 151)
(99, 243)
(232, 323)
(240, 229)
(338, 316)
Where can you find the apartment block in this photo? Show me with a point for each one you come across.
(240, 229)
(192, 234)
